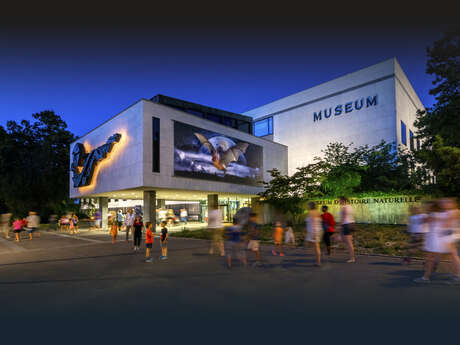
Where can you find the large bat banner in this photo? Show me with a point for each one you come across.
(208, 155)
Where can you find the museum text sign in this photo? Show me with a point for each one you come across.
(370, 101)
(374, 200)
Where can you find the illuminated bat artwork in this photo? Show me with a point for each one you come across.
(84, 164)
(222, 158)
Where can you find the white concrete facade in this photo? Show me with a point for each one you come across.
(128, 168)
(360, 108)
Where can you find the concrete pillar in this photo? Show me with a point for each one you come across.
(104, 210)
(150, 207)
(213, 202)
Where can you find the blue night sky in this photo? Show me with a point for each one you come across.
(88, 74)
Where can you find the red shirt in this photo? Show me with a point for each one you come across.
(149, 236)
(328, 219)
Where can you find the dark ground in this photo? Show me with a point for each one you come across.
(90, 285)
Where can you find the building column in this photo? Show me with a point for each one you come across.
(104, 210)
(213, 202)
(150, 207)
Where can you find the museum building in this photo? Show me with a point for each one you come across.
(166, 153)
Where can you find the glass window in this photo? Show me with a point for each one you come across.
(411, 140)
(403, 133)
(212, 117)
(263, 127)
(244, 126)
(418, 144)
(155, 144)
(195, 112)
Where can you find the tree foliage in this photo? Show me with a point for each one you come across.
(439, 127)
(34, 163)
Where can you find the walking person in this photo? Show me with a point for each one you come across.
(183, 215)
(114, 232)
(5, 224)
(148, 242)
(215, 226)
(119, 220)
(235, 244)
(314, 230)
(164, 241)
(441, 238)
(33, 224)
(289, 236)
(417, 229)
(137, 236)
(278, 239)
(347, 221)
(129, 222)
(17, 228)
(328, 222)
(253, 233)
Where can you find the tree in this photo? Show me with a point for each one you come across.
(34, 164)
(439, 127)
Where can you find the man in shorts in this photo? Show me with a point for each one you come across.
(253, 231)
(33, 224)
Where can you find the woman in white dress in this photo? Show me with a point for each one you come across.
(314, 230)
(441, 238)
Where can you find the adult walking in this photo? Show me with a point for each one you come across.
(347, 221)
(129, 222)
(5, 224)
(33, 224)
(441, 238)
(328, 227)
(138, 226)
(417, 229)
(119, 220)
(215, 226)
(314, 230)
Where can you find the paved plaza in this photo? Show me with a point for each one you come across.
(85, 278)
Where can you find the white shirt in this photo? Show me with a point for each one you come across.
(215, 219)
(346, 214)
(418, 224)
(33, 221)
(129, 219)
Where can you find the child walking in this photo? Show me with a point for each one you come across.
(278, 239)
(17, 227)
(289, 237)
(148, 241)
(164, 241)
(114, 232)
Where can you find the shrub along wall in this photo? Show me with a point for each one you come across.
(392, 209)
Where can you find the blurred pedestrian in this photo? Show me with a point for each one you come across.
(148, 242)
(235, 244)
(328, 223)
(119, 220)
(441, 238)
(33, 224)
(129, 222)
(417, 229)
(347, 221)
(114, 232)
(17, 228)
(5, 224)
(314, 230)
(137, 235)
(289, 236)
(253, 233)
(183, 214)
(278, 239)
(216, 228)
(73, 224)
(164, 241)
(53, 222)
